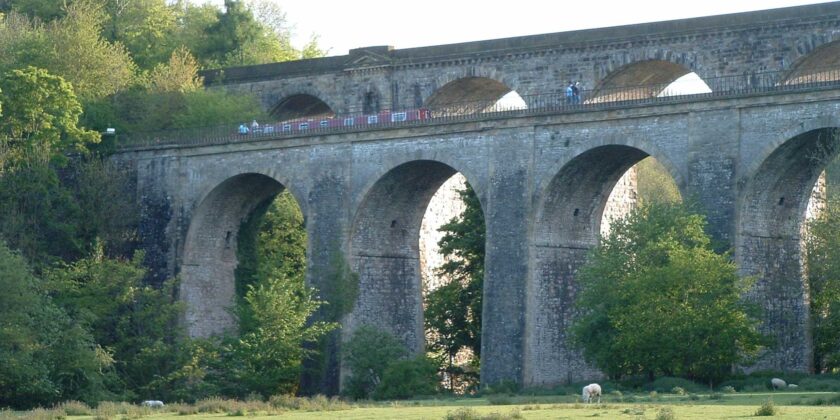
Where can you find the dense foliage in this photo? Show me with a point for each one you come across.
(453, 311)
(822, 251)
(380, 367)
(79, 320)
(656, 299)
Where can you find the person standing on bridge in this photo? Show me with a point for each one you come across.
(570, 93)
(576, 93)
(255, 126)
(243, 129)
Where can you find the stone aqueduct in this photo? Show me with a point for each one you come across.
(750, 159)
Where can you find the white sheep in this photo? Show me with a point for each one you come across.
(793, 386)
(590, 392)
(777, 383)
(152, 404)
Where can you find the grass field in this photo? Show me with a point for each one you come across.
(789, 405)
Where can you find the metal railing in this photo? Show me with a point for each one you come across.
(559, 102)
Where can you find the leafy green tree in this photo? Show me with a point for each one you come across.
(408, 378)
(272, 351)
(234, 29)
(135, 322)
(453, 311)
(271, 242)
(45, 356)
(367, 354)
(655, 184)
(41, 114)
(822, 259)
(656, 299)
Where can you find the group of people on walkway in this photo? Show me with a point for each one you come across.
(255, 127)
(573, 93)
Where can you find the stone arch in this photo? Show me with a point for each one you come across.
(301, 105)
(209, 252)
(567, 221)
(638, 80)
(775, 202)
(384, 250)
(820, 62)
(469, 94)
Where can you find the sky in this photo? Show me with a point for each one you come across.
(342, 25)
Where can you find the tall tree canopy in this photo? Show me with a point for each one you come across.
(656, 299)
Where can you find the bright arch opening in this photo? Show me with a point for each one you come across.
(394, 250)
(472, 95)
(648, 79)
(822, 65)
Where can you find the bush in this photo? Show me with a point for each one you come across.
(767, 409)
(669, 383)
(368, 353)
(678, 390)
(665, 413)
(500, 399)
(316, 403)
(407, 378)
(74, 408)
(728, 389)
(820, 384)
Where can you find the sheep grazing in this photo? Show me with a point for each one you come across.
(590, 392)
(777, 383)
(793, 386)
(152, 404)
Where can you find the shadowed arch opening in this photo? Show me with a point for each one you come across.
(785, 191)
(472, 95)
(385, 251)
(208, 286)
(587, 193)
(301, 106)
(647, 79)
(821, 65)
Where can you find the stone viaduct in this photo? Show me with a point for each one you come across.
(750, 156)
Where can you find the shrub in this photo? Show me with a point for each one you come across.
(820, 384)
(368, 353)
(407, 378)
(215, 405)
(653, 395)
(678, 390)
(316, 403)
(665, 413)
(74, 408)
(693, 397)
(728, 389)
(767, 409)
(463, 414)
(669, 383)
(499, 399)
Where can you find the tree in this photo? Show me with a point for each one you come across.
(453, 311)
(41, 216)
(271, 352)
(822, 262)
(135, 322)
(45, 355)
(656, 299)
(41, 114)
(367, 355)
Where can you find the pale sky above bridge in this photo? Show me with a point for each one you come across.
(342, 25)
